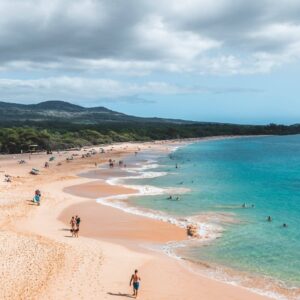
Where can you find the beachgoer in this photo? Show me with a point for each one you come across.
(176, 166)
(269, 219)
(170, 197)
(284, 225)
(135, 281)
(73, 223)
(37, 199)
(77, 220)
(244, 205)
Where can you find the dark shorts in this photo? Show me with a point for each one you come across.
(136, 285)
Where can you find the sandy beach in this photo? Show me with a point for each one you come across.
(40, 260)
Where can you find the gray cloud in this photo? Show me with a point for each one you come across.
(87, 49)
(145, 36)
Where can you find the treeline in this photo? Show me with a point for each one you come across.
(60, 136)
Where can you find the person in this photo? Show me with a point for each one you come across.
(244, 205)
(72, 223)
(269, 219)
(284, 225)
(37, 197)
(135, 281)
(170, 197)
(77, 220)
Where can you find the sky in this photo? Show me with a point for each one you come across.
(234, 61)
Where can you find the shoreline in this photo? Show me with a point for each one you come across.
(109, 264)
(232, 276)
(116, 182)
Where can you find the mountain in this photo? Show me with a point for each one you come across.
(66, 112)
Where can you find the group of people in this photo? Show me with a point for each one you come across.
(270, 219)
(244, 205)
(75, 223)
(112, 163)
(7, 178)
(173, 198)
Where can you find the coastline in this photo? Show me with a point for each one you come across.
(109, 264)
(208, 232)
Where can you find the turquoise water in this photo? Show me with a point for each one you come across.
(221, 176)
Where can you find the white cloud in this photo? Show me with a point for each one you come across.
(154, 35)
(80, 89)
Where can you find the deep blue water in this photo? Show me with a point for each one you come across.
(224, 174)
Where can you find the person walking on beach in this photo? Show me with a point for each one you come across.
(135, 281)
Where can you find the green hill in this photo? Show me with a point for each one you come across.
(60, 125)
(64, 111)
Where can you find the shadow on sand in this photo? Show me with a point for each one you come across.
(121, 294)
(30, 202)
(65, 229)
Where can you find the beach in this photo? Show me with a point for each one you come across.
(40, 260)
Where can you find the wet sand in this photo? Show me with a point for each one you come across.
(103, 222)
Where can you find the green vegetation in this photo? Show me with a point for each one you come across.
(58, 135)
(58, 125)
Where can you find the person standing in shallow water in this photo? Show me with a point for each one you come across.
(135, 281)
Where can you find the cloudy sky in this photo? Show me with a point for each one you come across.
(219, 60)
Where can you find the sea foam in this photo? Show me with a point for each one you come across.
(206, 231)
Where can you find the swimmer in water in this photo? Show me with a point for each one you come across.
(284, 225)
(269, 219)
(244, 205)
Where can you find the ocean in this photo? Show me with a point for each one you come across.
(229, 187)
